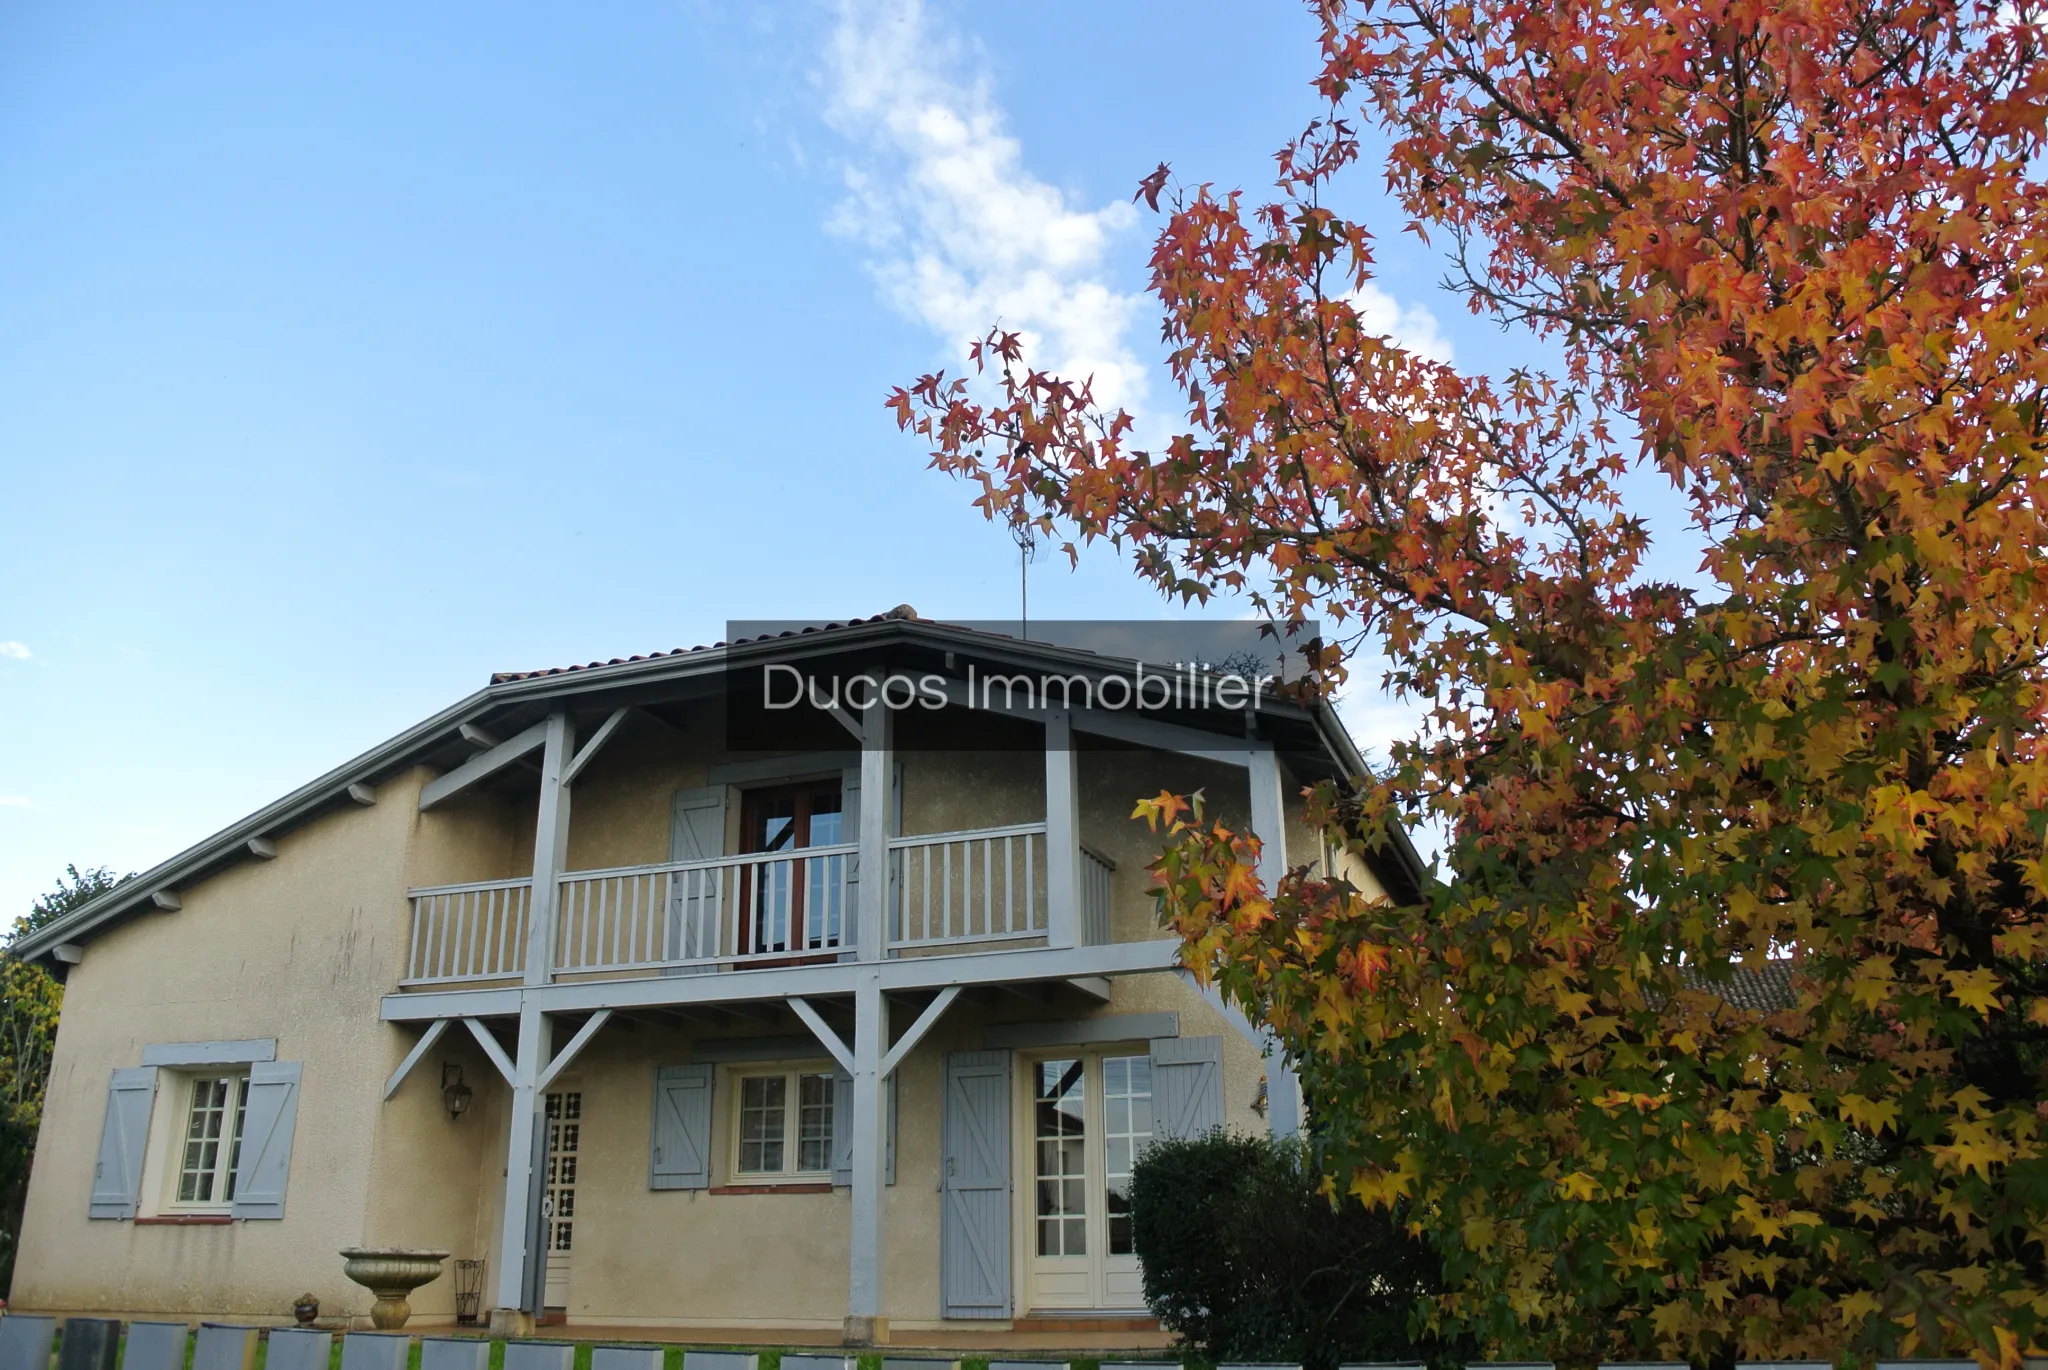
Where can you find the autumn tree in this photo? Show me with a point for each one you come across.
(1790, 256)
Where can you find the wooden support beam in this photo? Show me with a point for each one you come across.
(477, 737)
(167, 900)
(1269, 824)
(589, 750)
(772, 985)
(877, 756)
(412, 1058)
(575, 1044)
(822, 1030)
(70, 953)
(848, 722)
(550, 843)
(362, 794)
(262, 848)
(870, 1035)
(1126, 725)
(1062, 832)
(481, 765)
(1096, 987)
(489, 1043)
(520, 1280)
(908, 1041)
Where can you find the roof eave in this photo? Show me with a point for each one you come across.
(327, 791)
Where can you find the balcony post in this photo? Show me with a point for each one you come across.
(1062, 832)
(550, 848)
(1269, 823)
(877, 762)
(866, 1324)
(519, 1295)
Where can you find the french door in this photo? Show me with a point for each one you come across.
(558, 1200)
(797, 905)
(1086, 1116)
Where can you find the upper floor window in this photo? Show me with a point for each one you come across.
(210, 1145)
(790, 816)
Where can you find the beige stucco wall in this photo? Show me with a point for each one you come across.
(301, 949)
(705, 1258)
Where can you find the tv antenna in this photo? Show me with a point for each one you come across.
(1026, 538)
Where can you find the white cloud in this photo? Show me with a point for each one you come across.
(963, 235)
(1410, 326)
(15, 651)
(15, 801)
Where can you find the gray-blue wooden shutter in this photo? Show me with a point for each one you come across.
(681, 1150)
(124, 1136)
(267, 1123)
(696, 833)
(842, 1129)
(974, 1188)
(1187, 1086)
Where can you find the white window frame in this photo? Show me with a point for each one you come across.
(178, 1133)
(792, 1110)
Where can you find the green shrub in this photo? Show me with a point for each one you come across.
(1246, 1260)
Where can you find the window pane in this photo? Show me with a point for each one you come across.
(1059, 1119)
(774, 822)
(762, 1113)
(235, 1144)
(198, 1173)
(1127, 1113)
(828, 825)
(814, 1123)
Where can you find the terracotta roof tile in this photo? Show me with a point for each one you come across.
(1764, 989)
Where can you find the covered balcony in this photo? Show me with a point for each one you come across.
(983, 889)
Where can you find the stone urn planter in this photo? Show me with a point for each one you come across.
(391, 1273)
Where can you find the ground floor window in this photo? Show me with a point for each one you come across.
(782, 1125)
(216, 1107)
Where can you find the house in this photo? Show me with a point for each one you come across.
(679, 1001)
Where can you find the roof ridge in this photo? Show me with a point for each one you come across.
(902, 613)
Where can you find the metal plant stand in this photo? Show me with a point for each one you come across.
(469, 1291)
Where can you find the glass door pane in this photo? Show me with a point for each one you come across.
(1061, 1130)
(1126, 1127)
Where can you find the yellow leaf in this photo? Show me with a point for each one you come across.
(1857, 1306)
(1977, 989)
(1578, 1185)
(1671, 1319)
(1877, 1115)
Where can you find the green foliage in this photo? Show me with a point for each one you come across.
(30, 998)
(1247, 1258)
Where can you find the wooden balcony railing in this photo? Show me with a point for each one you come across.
(987, 885)
(952, 889)
(727, 910)
(468, 932)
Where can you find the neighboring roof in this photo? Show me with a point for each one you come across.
(437, 740)
(1759, 989)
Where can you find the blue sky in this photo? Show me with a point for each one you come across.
(349, 354)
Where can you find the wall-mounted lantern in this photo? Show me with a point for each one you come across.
(455, 1090)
